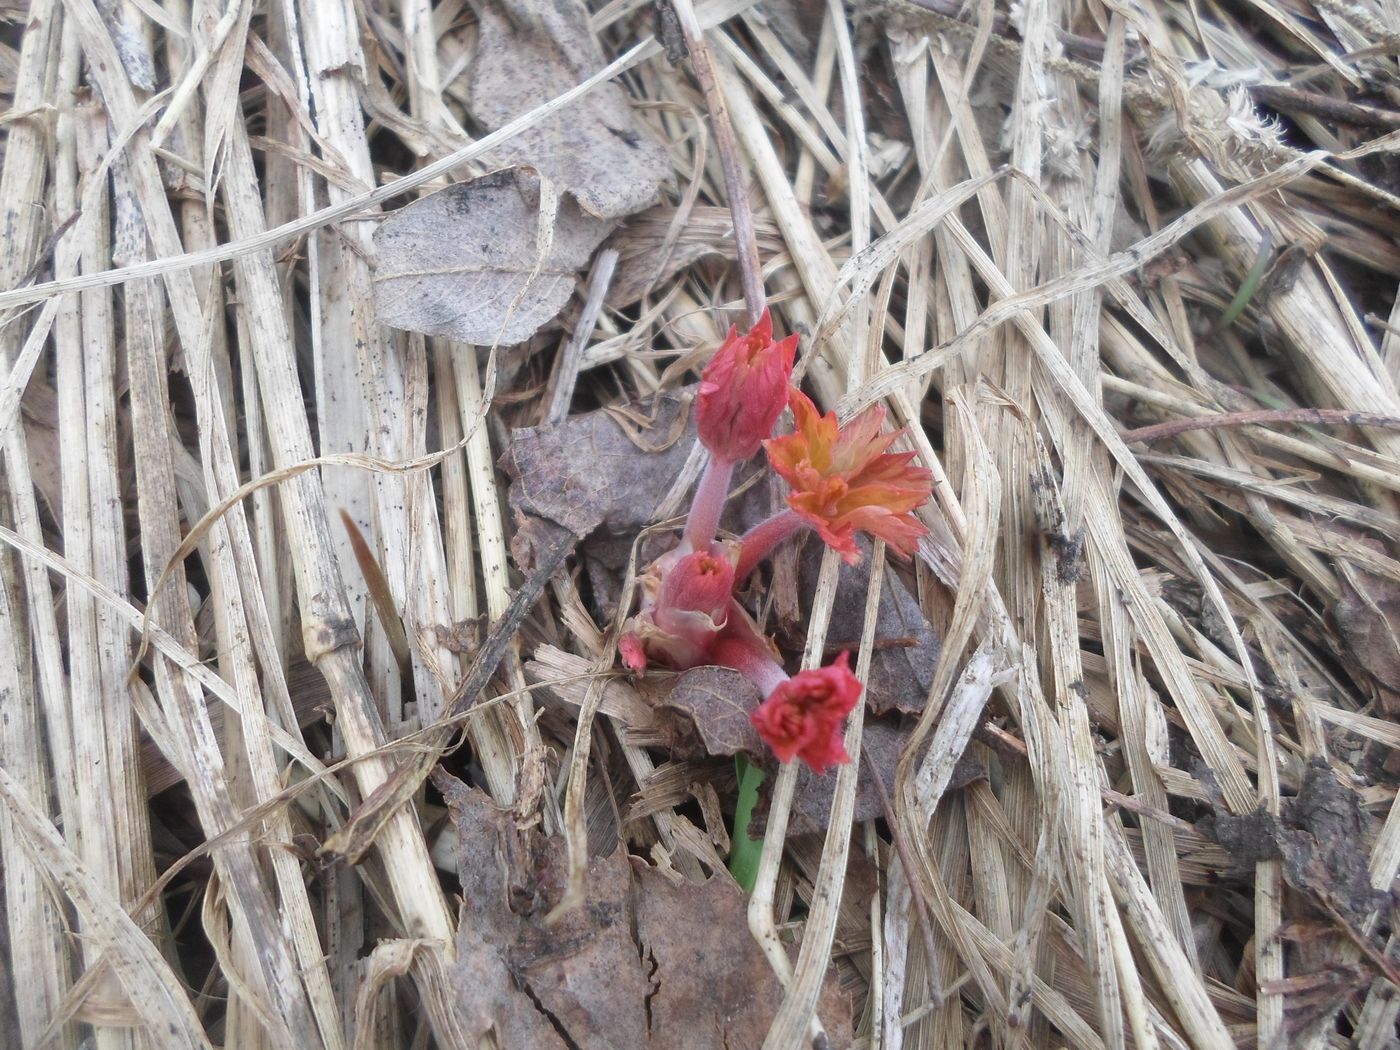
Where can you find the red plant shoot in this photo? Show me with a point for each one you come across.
(843, 481)
(743, 391)
(803, 717)
(685, 604)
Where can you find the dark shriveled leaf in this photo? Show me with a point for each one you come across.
(884, 741)
(645, 963)
(1367, 616)
(1321, 838)
(712, 985)
(574, 984)
(528, 51)
(715, 703)
(464, 263)
(906, 647)
(591, 473)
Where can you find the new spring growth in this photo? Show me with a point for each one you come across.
(843, 480)
(685, 599)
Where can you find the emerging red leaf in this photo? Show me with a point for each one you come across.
(843, 480)
(743, 390)
(685, 604)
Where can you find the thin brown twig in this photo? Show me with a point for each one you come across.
(1328, 417)
(1338, 111)
(745, 240)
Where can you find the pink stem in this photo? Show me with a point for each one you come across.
(703, 521)
(760, 541)
(751, 659)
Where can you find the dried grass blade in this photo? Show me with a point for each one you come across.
(151, 987)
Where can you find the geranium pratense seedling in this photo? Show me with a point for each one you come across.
(843, 480)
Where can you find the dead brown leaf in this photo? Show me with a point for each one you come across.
(463, 262)
(589, 473)
(714, 705)
(595, 148)
(574, 984)
(1322, 838)
(461, 636)
(651, 253)
(644, 963)
(906, 647)
(884, 740)
(712, 986)
(1327, 851)
(1367, 617)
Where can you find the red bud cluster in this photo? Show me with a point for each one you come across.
(843, 480)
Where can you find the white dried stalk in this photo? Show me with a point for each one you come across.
(259, 938)
(353, 358)
(565, 377)
(798, 1011)
(41, 558)
(914, 807)
(893, 937)
(111, 825)
(261, 308)
(761, 916)
(1177, 979)
(490, 735)
(151, 987)
(707, 14)
(32, 917)
(457, 528)
(29, 642)
(415, 888)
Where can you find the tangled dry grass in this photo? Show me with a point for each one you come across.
(1126, 274)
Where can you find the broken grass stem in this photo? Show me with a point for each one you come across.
(745, 240)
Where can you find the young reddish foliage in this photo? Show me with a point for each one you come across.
(843, 480)
(695, 594)
(803, 716)
(743, 390)
(685, 604)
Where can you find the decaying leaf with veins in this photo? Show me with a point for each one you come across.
(465, 262)
(646, 964)
(716, 702)
(528, 52)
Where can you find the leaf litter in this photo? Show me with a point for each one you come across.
(596, 148)
(464, 262)
(647, 962)
(1068, 895)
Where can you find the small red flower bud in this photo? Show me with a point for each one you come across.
(803, 716)
(685, 604)
(695, 594)
(633, 652)
(743, 390)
